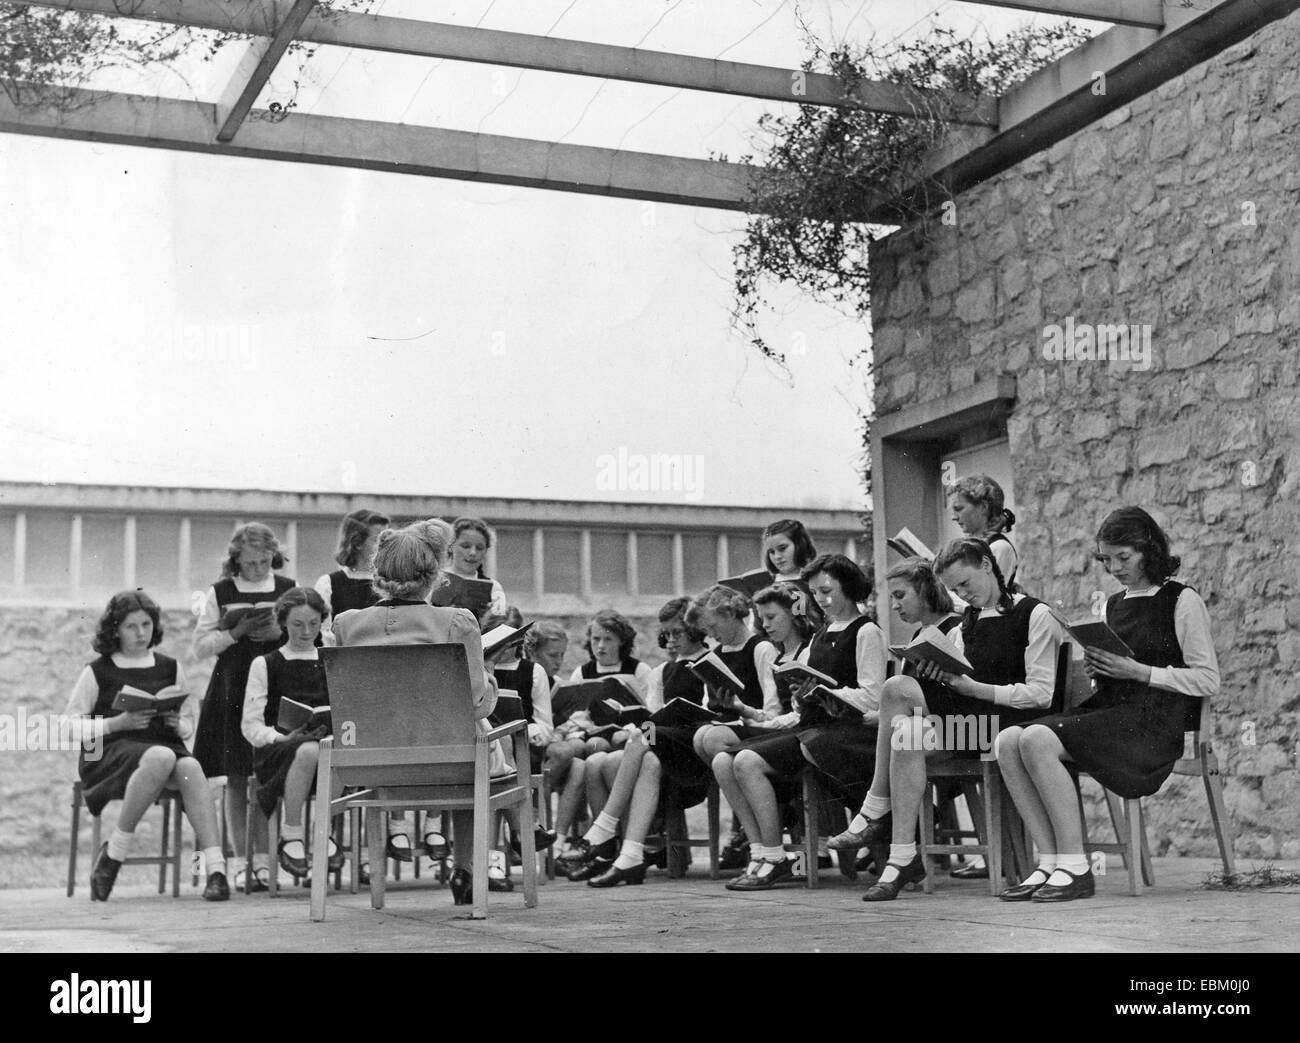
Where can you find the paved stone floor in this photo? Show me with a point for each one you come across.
(694, 914)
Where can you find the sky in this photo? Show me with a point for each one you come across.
(192, 320)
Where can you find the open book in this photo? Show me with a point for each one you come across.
(498, 639)
(1095, 633)
(621, 715)
(509, 707)
(684, 713)
(165, 700)
(933, 645)
(459, 592)
(293, 715)
(568, 697)
(750, 583)
(232, 614)
(797, 673)
(710, 669)
(910, 545)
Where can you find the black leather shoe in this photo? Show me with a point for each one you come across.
(542, 839)
(500, 883)
(760, 881)
(876, 831)
(337, 857)
(400, 852)
(103, 876)
(589, 870)
(437, 848)
(462, 886)
(583, 853)
(1081, 886)
(970, 871)
(912, 873)
(217, 890)
(613, 876)
(1025, 890)
(295, 867)
(735, 855)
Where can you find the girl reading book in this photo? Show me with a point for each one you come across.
(787, 548)
(657, 769)
(1129, 734)
(351, 585)
(978, 509)
(133, 755)
(237, 626)
(1010, 642)
(285, 761)
(407, 566)
(470, 541)
(758, 777)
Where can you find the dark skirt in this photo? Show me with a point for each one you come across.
(219, 742)
(1130, 748)
(271, 765)
(845, 751)
(105, 779)
(685, 777)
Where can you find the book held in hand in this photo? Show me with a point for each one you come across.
(932, 645)
(498, 639)
(232, 614)
(293, 715)
(797, 673)
(1095, 633)
(509, 707)
(710, 669)
(620, 715)
(569, 697)
(459, 592)
(910, 545)
(750, 583)
(166, 700)
(684, 713)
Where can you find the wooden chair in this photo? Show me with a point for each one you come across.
(679, 843)
(814, 800)
(169, 851)
(1126, 814)
(405, 731)
(998, 829)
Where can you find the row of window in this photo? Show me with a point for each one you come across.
(49, 554)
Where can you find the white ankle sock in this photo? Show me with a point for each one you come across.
(1076, 864)
(214, 860)
(288, 832)
(261, 860)
(899, 856)
(1047, 860)
(632, 854)
(119, 845)
(875, 807)
(604, 828)
(776, 853)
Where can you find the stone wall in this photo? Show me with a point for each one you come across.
(44, 650)
(1178, 211)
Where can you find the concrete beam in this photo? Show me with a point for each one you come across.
(1148, 13)
(259, 61)
(126, 119)
(412, 36)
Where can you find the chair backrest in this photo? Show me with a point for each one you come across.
(386, 698)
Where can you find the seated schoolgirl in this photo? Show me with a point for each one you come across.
(408, 563)
(285, 763)
(757, 777)
(1011, 642)
(610, 642)
(648, 776)
(979, 510)
(470, 541)
(132, 756)
(351, 585)
(1130, 733)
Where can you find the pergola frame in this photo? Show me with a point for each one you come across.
(1150, 43)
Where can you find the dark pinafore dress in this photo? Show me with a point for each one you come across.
(520, 681)
(1128, 735)
(684, 781)
(219, 744)
(302, 680)
(840, 742)
(740, 661)
(628, 665)
(347, 593)
(104, 778)
(995, 647)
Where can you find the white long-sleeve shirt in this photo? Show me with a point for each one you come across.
(1045, 636)
(253, 723)
(85, 693)
(1200, 677)
(208, 640)
(872, 657)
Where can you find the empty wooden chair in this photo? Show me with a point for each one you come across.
(404, 731)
